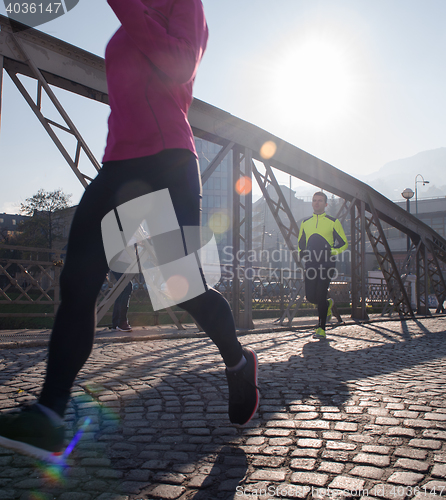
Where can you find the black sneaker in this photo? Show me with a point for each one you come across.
(32, 433)
(243, 390)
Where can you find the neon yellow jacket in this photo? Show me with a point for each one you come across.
(321, 237)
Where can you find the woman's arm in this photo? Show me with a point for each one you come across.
(177, 47)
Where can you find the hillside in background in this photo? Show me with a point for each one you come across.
(395, 176)
(391, 179)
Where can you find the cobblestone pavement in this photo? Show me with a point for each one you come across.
(363, 414)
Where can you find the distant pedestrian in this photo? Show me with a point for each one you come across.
(120, 320)
(151, 63)
(321, 238)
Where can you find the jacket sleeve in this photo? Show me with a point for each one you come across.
(302, 239)
(339, 239)
(176, 49)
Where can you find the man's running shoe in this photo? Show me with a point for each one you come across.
(319, 334)
(32, 433)
(330, 307)
(243, 390)
(123, 327)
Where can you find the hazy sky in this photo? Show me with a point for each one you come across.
(357, 83)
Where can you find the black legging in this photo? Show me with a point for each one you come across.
(317, 282)
(86, 265)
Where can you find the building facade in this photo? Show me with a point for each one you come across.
(217, 194)
(9, 226)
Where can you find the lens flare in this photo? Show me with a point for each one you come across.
(219, 222)
(53, 474)
(268, 150)
(54, 469)
(76, 438)
(243, 186)
(177, 286)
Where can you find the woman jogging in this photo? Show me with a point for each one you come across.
(151, 63)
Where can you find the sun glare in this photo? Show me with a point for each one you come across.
(314, 82)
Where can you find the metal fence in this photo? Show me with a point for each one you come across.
(29, 282)
(29, 288)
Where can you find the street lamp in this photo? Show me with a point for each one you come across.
(416, 189)
(407, 194)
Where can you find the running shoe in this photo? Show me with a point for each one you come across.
(32, 433)
(330, 307)
(243, 390)
(319, 333)
(123, 327)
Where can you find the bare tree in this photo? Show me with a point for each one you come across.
(43, 227)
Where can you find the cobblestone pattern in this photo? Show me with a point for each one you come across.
(363, 415)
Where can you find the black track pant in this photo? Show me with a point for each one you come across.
(317, 282)
(86, 266)
(121, 305)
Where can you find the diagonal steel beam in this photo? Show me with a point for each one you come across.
(422, 284)
(242, 239)
(36, 107)
(345, 210)
(436, 276)
(391, 273)
(357, 221)
(289, 229)
(278, 207)
(216, 162)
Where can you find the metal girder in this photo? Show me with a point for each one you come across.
(407, 263)
(345, 210)
(70, 68)
(288, 229)
(42, 84)
(422, 284)
(64, 65)
(242, 237)
(216, 162)
(391, 273)
(84, 73)
(278, 208)
(302, 165)
(358, 232)
(436, 277)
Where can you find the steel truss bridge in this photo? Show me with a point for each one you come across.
(50, 62)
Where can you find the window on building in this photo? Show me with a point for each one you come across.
(203, 164)
(14, 222)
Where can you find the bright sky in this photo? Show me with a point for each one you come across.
(357, 83)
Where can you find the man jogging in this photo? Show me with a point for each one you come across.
(321, 238)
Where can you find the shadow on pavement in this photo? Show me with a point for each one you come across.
(159, 416)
